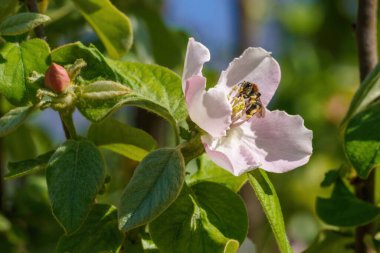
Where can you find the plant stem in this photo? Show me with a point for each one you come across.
(68, 125)
(33, 7)
(366, 35)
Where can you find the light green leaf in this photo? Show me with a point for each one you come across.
(22, 23)
(99, 233)
(18, 62)
(102, 90)
(194, 225)
(209, 171)
(344, 209)
(74, 175)
(270, 203)
(125, 140)
(155, 184)
(154, 88)
(362, 140)
(13, 119)
(112, 26)
(332, 242)
(367, 93)
(22, 168)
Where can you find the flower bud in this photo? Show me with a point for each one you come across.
(57, 78)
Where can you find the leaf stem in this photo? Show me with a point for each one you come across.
(366, 35)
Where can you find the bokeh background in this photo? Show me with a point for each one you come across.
(314, 42)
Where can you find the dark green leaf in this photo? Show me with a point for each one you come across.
(21, 23)
(22, 168)
(209, 171)
(7, 8)
(120, 138)
(155, 184)
(332, 242)
(17, 61)
(344, 209)
(270, 203)
(13, 119)
(192, 227)
(74, 175)
(330, 177)
(362, 140)
(112, 26)
(99, 233)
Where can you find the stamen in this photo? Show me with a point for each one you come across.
(245, 101)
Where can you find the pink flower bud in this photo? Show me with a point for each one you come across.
(57, 78)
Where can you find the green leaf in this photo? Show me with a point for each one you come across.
(122, 139)
(154, 88)
(193, 224)
(209, 171)
(344, 209)
(22, 168)
(362, 140)
(22, 23)
(332, 242)
(74, 175)
(155, 184)
(17, 61)
(112, 26)
(97, 68)
(13, 119)
(367, 93)
(99, 233)
(270, 203)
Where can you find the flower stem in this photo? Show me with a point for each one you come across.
(366, 35)
(68, 125)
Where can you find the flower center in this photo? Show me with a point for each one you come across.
(245, 101)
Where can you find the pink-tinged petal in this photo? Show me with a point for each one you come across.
(257, 66)
(210, 110)
(196, 55)
(283, 139)
(234, 152)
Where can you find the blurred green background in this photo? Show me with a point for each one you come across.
(314, 42)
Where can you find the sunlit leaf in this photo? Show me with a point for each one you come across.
(270, 203)
(112, 26)
(17, 61)
(123, 139)
(209, 171)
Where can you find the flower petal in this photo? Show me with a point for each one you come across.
(210, 110)
(233, 152)
(196, 55)
(284, 140)
(276, 143)
(257, 66)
